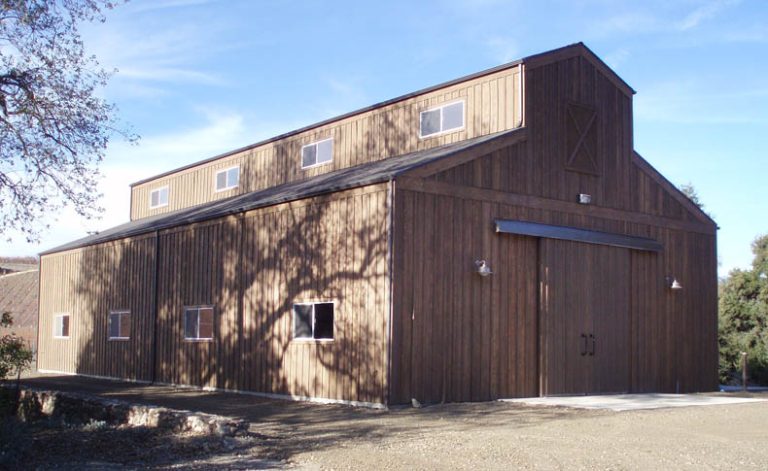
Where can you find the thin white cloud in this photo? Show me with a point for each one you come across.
(170, 74)
(703, 13)
(155, 53)
(691, 101)
(626, 23)
(643, 19)
(151, 5)
(615, 58)
(503, 49)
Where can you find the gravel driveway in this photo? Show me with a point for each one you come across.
(476, 436)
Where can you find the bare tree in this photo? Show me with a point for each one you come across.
(54, 128)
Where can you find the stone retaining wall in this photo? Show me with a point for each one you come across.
(74, 408)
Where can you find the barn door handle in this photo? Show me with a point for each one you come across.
(592, 352)
(584, 345)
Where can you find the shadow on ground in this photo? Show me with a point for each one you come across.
(281, 429)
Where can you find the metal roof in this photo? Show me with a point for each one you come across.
(343, 179)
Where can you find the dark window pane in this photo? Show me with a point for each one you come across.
(114, 325)
(302, 321)
(325, 151)
(324, 321)
(430, 122)
(453, 116)
(309, 155)
(125, 324)
(155, 198)
(221, 180)
(205, 321)
(190, 323)
(65, 326)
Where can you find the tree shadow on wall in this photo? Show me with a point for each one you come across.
(252, 269)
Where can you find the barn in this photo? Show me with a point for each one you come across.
(490, 237)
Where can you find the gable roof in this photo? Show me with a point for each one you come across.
(579, 49)
(342, 179)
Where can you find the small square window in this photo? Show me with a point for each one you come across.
(159, 197)
(198, 323)
(119, 325)
(317, 153)
(61, 326)
(442, 119)
(313, 321)
(227, 179)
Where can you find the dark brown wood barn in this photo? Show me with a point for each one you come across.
(494, 236)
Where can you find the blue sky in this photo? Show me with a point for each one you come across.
(199, 77)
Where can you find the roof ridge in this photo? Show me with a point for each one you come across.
(8, 275)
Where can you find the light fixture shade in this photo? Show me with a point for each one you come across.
(675, 284)
(482, 268)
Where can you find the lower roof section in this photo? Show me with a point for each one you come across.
(577, 235)
(343, 179)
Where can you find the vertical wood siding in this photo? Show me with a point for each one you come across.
(490, 106)
(458, 336)
(87, 284)
(515, 169)
(444, 311)
(251, 269)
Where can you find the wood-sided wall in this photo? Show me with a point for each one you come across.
(252, 269)
(457, 336)
(492, 104)
(87, 284)
(461, 337)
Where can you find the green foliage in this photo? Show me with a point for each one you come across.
(14, 354)
(690, 191)
(743, 319)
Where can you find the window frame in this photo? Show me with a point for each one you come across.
(119, 313)
(167, 197)
(56, 317)
(197, 330)
(226, 172)
(441, 107)
(311, 339)
(316, 143)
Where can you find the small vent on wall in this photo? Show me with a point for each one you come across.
(581, 139)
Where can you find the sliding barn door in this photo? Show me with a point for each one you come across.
(584, 318)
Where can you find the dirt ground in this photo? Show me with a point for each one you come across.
(454, 436)
(504, 436)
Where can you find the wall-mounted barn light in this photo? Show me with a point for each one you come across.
(673, 284)
(482, 268)
(585, 198)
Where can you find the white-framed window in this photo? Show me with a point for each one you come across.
(313, 321)
(442, 119)
(198, 323)
(119, 325)
(227, 179)
(317, 153)
(158, 197)
(61, 326)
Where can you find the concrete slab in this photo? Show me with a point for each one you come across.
(625, 402)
